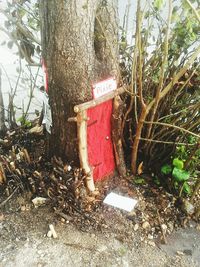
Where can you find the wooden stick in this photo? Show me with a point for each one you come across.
(72, 119)
(7, 199)
(2, 174)
(116, 135)
(95, 102)
(162, 231)
(196, 189)
(83, 153)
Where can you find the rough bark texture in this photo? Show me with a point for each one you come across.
(2, 115)
(77, 53)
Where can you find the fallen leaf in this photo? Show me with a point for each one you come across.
(140, 168)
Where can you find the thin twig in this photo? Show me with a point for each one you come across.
(23, 29)
(31, 93)
(166, 142)
(173, 126)
(7, 199)
(162, 71)
(194, 10)
(163, 233)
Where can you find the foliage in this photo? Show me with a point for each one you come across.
(185, 158)
(178, 175)
(163, 109)
(21, 25)
(24, 122)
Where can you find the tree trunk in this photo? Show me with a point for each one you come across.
(79, 40)
(2, 114)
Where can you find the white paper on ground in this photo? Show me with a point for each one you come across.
(120, 202)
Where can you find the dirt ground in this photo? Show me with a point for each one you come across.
(24, 241)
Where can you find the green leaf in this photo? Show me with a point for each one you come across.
(166, 169)
(178, 163)
(156, 181)
(180, 175)
(176, 185)
(139, 181)
(24, 122)
(158, 4)
(186, 188)
(192, 139)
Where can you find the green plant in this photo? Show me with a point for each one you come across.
(24, 122)
(179, 176)
(184, 167)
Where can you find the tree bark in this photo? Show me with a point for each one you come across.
(79, 41)
(2, 114)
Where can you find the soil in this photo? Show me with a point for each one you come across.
(89, 233)
(24, 241)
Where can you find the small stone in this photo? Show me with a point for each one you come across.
(69, 168)
(17, 239)
(164, 227)
(151, 243)
(145, 225)
(1, 217)
(136, 226)
(179, 253)
(23, 208)
(142, 205)
(187, 252)
(187, 207)
(62, 220)
(132, 213)
(93, 235)
(39, 201)
(150, 237)
(170, 226)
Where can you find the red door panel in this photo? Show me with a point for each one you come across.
(100, 148)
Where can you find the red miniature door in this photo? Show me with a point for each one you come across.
(100, 147)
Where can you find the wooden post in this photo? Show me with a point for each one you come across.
(116, 135)
(93, 103)
(83, 153)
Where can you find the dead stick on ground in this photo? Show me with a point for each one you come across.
(64, 216)
(196, 189)
(7, 199)
(163, 233)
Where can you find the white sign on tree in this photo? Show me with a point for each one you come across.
(104, 87)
